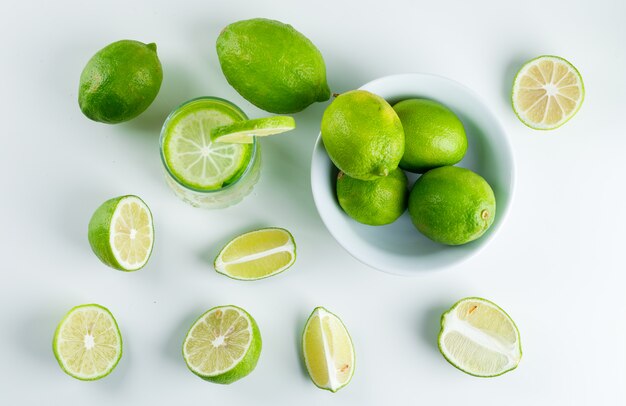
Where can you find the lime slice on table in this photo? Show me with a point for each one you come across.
(87, 343)
(257, 254)
(223, 345)
(479, 338)
(547, 92)
(328, 350)
(121, 233)
(243, 132)
(190, 155)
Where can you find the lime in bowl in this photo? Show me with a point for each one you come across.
(202, 172)
(399, 248)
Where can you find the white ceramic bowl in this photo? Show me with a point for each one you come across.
(399, 248)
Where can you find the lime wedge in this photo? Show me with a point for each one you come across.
(547, 92)
(328, 350)
(190, 155)
(87, 343)
(257, 254)
(223, 345)
(121, 233)
(243, 132)
(479, 338)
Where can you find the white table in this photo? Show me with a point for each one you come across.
(556, 266)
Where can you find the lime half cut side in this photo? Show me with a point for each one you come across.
(87, 343)
(223, 345)
(121, 233)
(189, 153)
(243, 132)
(479, 338)
(257, 254)
(328, 351)
(547, 92)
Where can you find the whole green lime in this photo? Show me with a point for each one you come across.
(434, 135)
(374, 202)
(272, 65)
(452, 205)
(120, 81)
(363, 135)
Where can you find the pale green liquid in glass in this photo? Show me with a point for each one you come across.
(237, 188)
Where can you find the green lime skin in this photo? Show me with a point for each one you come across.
(374, 202)
(120, 81)
(363, 135)
(452, 205)
(272, 65)
(434, 135)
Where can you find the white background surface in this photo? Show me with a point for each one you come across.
(556, 265)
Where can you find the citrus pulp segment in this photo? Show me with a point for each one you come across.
(243, 132)
(223, 345)
(87, 342)
(547, 92)
(257, 254)
(189, 153)
(479, 338)
(121, 233)
(328, 351)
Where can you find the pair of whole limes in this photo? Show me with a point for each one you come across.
(269, 63)
(371, 142)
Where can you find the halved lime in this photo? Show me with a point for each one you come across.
(243, 132)
(190, 155)
(547, 92)
(479, 338)
(328, 350)
(121, 233)
(257, 254)
(223, 345)
(87, 343)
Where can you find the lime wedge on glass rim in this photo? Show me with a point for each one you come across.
(257, 254)
(87, 342)
(547, 92)
(223, 345)
(188, 151)
(121, 233)
(243, 132)
(328, 350)
(479, 338)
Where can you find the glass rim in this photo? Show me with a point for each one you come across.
(249, 166)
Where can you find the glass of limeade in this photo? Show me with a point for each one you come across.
(200, 171)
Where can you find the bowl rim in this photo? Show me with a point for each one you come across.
(503, 213)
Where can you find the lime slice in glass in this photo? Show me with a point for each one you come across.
(328, 350)
(190, 155)
(223, 345)
(87, 343)
(257, 254)
(121, 233)
(479, 338)
(547, 92)
(243, 132)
